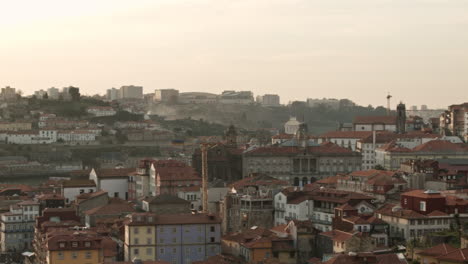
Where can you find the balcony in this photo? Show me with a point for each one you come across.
(320, 221)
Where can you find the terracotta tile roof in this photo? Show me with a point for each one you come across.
(280, 228)
(330, 180)
(78, 183)
(85, 196)
(169, 170)
(337, 235)
(258, 179)
(456, 256)
(115, 207)
(438, 250)
(437, 213)
(113, 173)
(346, 134)
(346, 207)
(440, 146)
(387, 210)
(388, 120)
(371, 173)
(423, 194)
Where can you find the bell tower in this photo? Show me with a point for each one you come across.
(401, 119)
(231, 137)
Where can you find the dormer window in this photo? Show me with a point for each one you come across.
(62, 245)
(422, 206)
(74, 244)
(87, 244)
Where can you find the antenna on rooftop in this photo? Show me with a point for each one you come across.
(388, 103)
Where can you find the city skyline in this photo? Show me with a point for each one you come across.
(297, 49)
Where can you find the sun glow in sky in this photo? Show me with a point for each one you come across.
(417, 50)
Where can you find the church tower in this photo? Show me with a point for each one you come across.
(302, 136)
(401, 119)
(231, 137)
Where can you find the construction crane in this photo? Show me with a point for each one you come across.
(204, 160)
(388, 103)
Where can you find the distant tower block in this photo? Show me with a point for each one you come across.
(401, 119)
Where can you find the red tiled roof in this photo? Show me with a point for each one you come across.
(115, 207)
(346, 134)
(337, 235)
(175, 170)
(438, 250)
(113, 173)
(456, 256)
(175, 219)
(440, 146)
(422, 194)
(258, 180)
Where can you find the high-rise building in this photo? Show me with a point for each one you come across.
(166, 95)
(8, 93)
(113, 94)
(131, 92)
(269, 100)
(53, 93)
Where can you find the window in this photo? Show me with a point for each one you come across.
(212, 228)
(148, 230)
(87, 244)
(135, 241)
(74, 255)
(116, 194)
(161, 251)
(212, 239)
(422, 206)
(161, 240)
(136, 251)
(74, 244)
(149, 251)
(60, 255)
(149, 241)
(88, 254)
(81, 191)
(62, 245)
(174, 230)
(174, 240)
(136, 230)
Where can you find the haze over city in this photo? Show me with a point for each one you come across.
(343, 49)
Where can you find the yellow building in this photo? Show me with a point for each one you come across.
(140, 240)
(76, 248)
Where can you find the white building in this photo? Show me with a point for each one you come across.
(40, 94)
(44, 136)
(375, 123)
(53, 93)
(101, 111)
(346, 139)
(113, 181)
(76, 136)
(291, 126)
(72, 188)
(113, 94)
(17, 226)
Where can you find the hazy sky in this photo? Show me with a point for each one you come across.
(359, 49)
